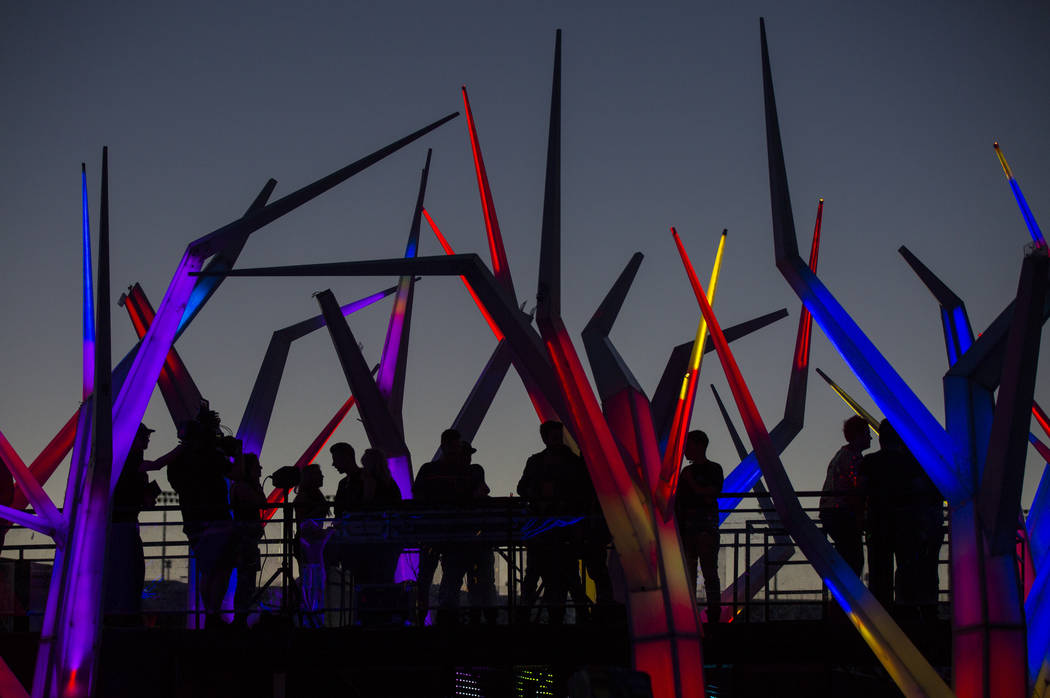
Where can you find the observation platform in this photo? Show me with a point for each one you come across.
(788, 638)
(776, 658)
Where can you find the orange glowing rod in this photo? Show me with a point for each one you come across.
(470, 289)
(1026, 213)
(686, 398)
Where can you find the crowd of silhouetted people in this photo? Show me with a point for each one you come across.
(884, 497)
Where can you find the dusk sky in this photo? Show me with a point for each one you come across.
(888, 111)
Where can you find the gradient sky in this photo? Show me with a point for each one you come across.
(888, 111)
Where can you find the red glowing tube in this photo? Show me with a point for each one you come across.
(496, 250)
(470, 289)
(1040, 416)
(44, 466)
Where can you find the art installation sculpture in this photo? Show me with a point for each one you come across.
(633, 445)
(905, 664)
(989, 646)
(67, 658)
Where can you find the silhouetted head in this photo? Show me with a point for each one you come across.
(373, 461)
(343, 458)
(552, 433)
(696, 443)
(313, 478)
(855, 429)
(141, 442)
(889, 438)
(252, 468)
(451, 444)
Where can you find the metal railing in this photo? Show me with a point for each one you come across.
(753, 548)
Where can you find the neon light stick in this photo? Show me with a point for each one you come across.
(470, 289)
(1026, 213)
(873, 423)
(672, 459)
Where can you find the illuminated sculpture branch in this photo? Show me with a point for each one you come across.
(181, 394)
(757, 575)
(674, 447)
(987, 623)
(665, 629)
(868, 417)
(1026, 213)
(665, 397)
(257, 412)
(547, 406)
(919, 429)
(472, 413)
(512, 322)
(65, 651)
(746, 474)
(256, 418)
(676, 672)
(612, 375)
(88, 372)
(910, 671)
(497, 253)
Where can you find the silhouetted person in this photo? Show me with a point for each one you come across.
(442, 483)
(904, 522)
(480, 559)
(378, 561)
(198, 475)
(348, 493)
(696, 509)
(247, 499)
(348, 498)
(126, 559)
(842, 504)
(311, 509)
(550, 485)
(881, 477)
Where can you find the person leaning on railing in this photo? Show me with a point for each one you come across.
(842, 504)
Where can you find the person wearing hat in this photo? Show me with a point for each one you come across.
(126, 559)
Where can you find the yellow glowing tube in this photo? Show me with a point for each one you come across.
(1002, 161)
(697, 355)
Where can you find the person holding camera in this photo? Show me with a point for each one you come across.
(198, 475)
